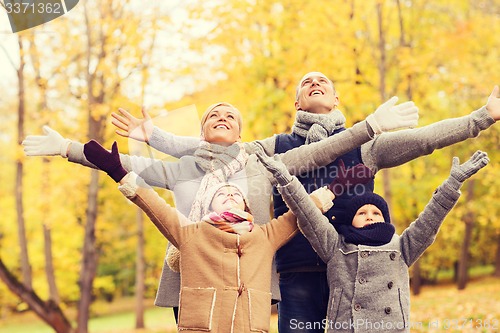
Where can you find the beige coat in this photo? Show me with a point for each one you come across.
(225, 277)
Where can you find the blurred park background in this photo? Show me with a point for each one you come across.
(75, 256)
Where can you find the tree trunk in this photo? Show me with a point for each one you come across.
(469, 227)
(45, 195)
(89, 256)
(23, 244)
(48, 311)
(95, 132)
(497, 260)
(386, 177)
(49, 265)
(140, 267)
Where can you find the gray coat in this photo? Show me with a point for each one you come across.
(184, 177)
(369, 285)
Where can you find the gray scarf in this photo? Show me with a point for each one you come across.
(315, 127)
(219, 163)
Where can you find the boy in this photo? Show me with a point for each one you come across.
(367, 263)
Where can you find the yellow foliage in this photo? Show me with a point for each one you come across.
(442, 56)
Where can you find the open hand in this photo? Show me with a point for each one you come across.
(132, 127)
(50, 144)
(390, 116)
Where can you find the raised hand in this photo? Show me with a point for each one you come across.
(390, 116)
(347, 178)
(50, 144)
(461, 172)
(493, 104)
(132, 127)
(273, 165)
(105, 160)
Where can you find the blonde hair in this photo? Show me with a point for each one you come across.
(204, 117)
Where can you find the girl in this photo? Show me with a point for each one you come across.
(225, 260)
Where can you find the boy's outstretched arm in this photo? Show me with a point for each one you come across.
(307, 208)
(421, 233)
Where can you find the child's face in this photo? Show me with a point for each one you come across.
(366, 215)
(227, 197)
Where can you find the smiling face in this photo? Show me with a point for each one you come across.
(366, 215)
(221, 125)
(316, 94)
(225, 198)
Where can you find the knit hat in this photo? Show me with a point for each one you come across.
(369, 198)
(375, 234)
(204, 117)
(209, 195)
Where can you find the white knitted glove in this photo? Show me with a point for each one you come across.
(50, 144)
(323, 198)
(390, 116)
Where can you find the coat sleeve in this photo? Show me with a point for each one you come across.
(282, 229)
(168, 220)
(268, 144)
(396, 148)
(308, 157)
(155, 172)
(312, 223)
(173, 145)
(422, 232)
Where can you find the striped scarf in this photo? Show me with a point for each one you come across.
(235, 221)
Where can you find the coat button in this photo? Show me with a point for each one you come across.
(240, 289)
(388, 310)
(362, 280)
(240, 252)
(390, 285)
(392, 255)
(365, 254)
(357, 307)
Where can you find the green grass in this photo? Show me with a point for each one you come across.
(440, 305)
(111, 320)
(474, 272)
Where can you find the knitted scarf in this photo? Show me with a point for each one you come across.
(315, 127)
(219, 163)
(374, 234)
(235, 221)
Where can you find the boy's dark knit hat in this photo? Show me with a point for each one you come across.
(369, 198)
